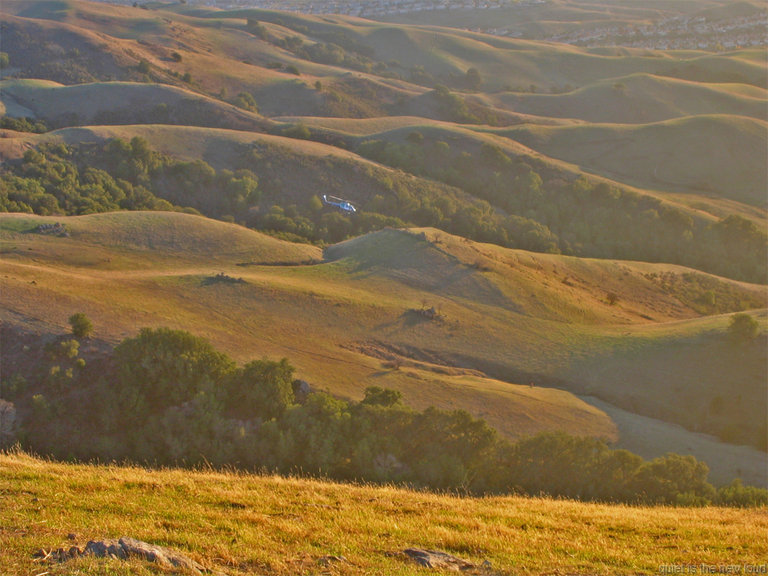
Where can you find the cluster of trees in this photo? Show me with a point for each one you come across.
(23, 124)
(120, 175)
(454, 108)
(392, 200)
(579, 217)
(129, 175)
(335, 48)
(48, 181)
(743, 328)
(168, 397)
(315, 224)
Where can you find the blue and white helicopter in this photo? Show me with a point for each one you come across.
(339, 203)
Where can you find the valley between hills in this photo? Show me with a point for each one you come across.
(669, 143)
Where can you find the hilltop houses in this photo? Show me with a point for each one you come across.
(675, 33)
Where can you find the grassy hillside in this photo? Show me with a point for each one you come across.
(225, 55)
(446, 54)
(181, 237)
(242, 524)
(122, 103)
(221, 148)
(503, 317)
(150, 278)
(642, 98)
(663, 160)
(644, 169)
(677, 155)
(352, 68)
(658, 160)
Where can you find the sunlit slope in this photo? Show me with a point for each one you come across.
(359, 319)
(175, 235)
(121, 103)
(244, 524)
(293, 170)
(217, 53)
(687, 128)
(541, 286)
(716, 155)
(640, 99)
(289, 170)
(41, 45)
(225, 57)
(515, 64)
(221, 148)
(74, 43)
(211, 53)
(662, 160)
(129, 270)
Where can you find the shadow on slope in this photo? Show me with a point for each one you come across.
(642, 98)
(717, 155)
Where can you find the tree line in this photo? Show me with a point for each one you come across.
(129, 175)
(580, 216)
(119, 175)
(168, 397)
(484, 195)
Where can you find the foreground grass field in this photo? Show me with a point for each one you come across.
(249, 524)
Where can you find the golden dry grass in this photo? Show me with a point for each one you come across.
(641, 99)
(717, 155)
(507, 318)
(245, 524)
(513, 316)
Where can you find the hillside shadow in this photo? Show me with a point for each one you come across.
(50, 10)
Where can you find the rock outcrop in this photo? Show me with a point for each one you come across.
(130, 547)
(125, 548)
(438, 560)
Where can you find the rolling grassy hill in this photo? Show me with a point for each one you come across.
(677, 155)
(245, 524)
(307, 101)
(642, 98)
(122, 103)
(225, 54)
(229, 58)
(510, 324)
(659, 159)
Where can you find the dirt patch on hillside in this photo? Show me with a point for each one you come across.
(395, 356)
(651, 438)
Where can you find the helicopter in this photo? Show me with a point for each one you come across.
(339, 203)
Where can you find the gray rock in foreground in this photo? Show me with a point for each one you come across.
(130, 547)
(436, 559)
(105, 549)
